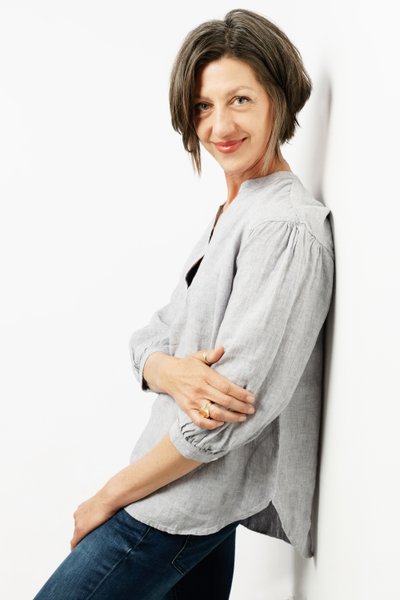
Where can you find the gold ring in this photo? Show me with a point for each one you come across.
(205, 410)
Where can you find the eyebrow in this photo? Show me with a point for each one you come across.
(229, 92)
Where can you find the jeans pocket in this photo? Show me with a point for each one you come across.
(177, 561)
(197, 547)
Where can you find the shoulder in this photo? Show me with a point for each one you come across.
(289, 203)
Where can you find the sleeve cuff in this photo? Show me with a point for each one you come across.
(139, 369)
(187, 449)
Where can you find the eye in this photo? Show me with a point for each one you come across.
(242, 98)
(197, 106)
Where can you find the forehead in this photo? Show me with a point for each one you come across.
(228, 92)
(225, 75)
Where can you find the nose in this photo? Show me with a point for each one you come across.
(223, 124)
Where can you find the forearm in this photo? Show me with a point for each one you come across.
(154, 369)
(161, 465)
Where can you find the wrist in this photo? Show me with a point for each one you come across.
(152, 368)
(107, 499)
(156, 371)
(164, 372)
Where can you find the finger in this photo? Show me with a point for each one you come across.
(75, 539)
(203, 422)
(227, 400)
(229, 388)
(209, 355)
(220, 413)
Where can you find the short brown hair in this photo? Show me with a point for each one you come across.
(276, 62)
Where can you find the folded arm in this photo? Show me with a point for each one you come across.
(279, 302)
(153, 337)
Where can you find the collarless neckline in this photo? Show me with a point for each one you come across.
(249, 185)
(256, 182)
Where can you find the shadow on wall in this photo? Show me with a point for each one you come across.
(321, 127)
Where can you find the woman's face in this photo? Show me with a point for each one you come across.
(231, 105)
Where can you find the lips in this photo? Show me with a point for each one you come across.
(229, 146)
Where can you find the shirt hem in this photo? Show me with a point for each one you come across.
(182, 531)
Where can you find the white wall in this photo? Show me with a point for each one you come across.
(91, 174)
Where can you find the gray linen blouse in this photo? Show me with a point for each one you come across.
(259, 282)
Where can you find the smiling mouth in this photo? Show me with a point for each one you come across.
(230, 146)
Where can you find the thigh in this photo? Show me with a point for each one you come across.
(211, 578)
(123, 558)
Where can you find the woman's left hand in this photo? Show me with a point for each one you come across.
(90, 514)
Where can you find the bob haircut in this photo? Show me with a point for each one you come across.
(276, 63)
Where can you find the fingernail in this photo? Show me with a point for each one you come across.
(251, 398)
(242, 418)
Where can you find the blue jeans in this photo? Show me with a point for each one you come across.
(125, 559)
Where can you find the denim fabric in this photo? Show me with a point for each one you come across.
(126, 559)
(261, 286)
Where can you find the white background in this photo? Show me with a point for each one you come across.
(99, 208)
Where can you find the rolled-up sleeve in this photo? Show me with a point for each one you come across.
(153, 337)
(278, 304)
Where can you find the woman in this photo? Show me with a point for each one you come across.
(243, 330)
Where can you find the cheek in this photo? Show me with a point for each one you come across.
(266, 121)
(203, 138)
(261, 134)
(199, 129)
(255, 124)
